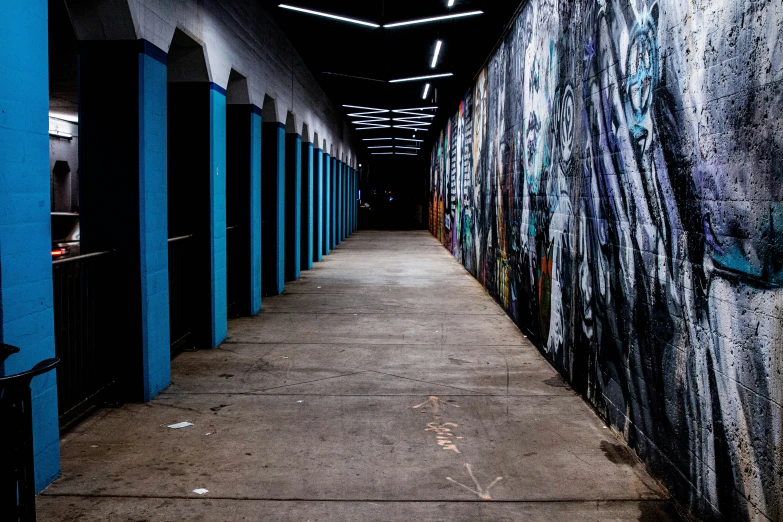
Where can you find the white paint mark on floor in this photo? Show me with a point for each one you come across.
(483, 493)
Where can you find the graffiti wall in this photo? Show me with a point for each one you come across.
(613, 177)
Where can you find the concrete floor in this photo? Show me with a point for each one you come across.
(385, 384)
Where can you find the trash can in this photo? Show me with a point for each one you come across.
(17, 476)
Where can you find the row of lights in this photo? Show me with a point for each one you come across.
(385, 26)
(370, 118)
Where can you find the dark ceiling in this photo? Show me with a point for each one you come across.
(382, 54)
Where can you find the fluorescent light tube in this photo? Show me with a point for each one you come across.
(415, 78)
(407, 139)
(380, 153)
(451, 3)
(365, 108)
(376, 139)
(435, 55)
(405, 154)
(415, 109)
(426, 90)
(381, 147)
(433, 19)
(402, 147)
(327, 15)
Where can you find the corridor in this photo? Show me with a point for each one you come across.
(384, 384)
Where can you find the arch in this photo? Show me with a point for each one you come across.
(290, 123)
(305, 133)
(101, 19)
(186, 59)
(269, 110)
(237, 92)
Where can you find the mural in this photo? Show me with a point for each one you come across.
(614, 179)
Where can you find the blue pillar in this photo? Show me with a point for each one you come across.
(25, 237)
(217, 198)
(333, 205)
(293, 204)
(126, 81)
(318, 208)
(327, 202)
(243, 207)
(255, 211)
(273, 207)
(307, 207)
(339, 205)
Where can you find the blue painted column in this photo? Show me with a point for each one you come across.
(243, 207)
(307, 207)
(293, 205)
(217, 198)
(339, 205)
(333, 205)
(25, 237)
(318, 207)
(126, 81)
(256, 243)
(327, 202)
(273, 207)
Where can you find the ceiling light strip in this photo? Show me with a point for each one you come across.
(403, 147)
(377, 139)
(380, 153)
(416, 78)
(426, 90)
(433, 19)
(435, 56)
(405, 154)
(328, 15)
(382, 147)
(408, 139)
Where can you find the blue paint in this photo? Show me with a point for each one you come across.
(333, 205)
(293, 214)
(153, 225)
(25, 236)
(338, 204)
(327, 204)
(256, 243)
(217, 88)
(153, 51)
(318, 207)
(217, 210)
(280, 215)
(307, 207)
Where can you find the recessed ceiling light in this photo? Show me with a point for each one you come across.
(435, 54)
(415, 78)
(426, 90)
(328, 15)
(433, 19)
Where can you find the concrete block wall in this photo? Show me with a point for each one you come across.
(241, 35)
(614, 179)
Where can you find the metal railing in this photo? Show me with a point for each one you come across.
(83, 319)
(181, 251)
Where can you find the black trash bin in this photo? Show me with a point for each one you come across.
(17, 476)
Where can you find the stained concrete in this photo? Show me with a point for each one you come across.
(385, 384)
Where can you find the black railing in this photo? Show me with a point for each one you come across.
(181, 251)
(83, 291)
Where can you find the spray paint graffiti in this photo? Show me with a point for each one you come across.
(614, 178)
